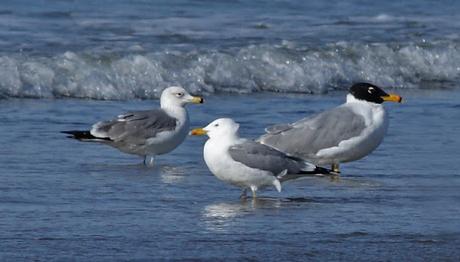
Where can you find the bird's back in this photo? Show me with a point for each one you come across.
(306, 137)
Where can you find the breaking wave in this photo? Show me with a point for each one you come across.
(282, 68)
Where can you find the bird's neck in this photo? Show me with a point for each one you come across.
(371, 112)
(352, 99)
(225, 142)
(176, 111)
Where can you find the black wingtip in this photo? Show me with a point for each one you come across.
(78, 134)
(319, 171)
(84, 136)
(323, 171)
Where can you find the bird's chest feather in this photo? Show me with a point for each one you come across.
(377, 124)
(217, 158)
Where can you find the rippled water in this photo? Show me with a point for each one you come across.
(65, 200)
(257, 62)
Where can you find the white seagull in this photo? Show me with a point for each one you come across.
(343, 134)
(145, 133)
(248, 164)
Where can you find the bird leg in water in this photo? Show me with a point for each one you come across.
(335, 168)
(254, 189)
(149, 161)
(243, 195)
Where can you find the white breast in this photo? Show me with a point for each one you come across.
(218, 160)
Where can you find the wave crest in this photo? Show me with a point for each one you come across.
(284, 68)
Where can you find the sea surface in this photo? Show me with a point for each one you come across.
(67, 64)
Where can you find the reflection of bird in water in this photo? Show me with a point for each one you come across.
(342, 134)
(145, 133)
(248, 164)
(228, 210)
(246, 206)
(224, 210)
(172, 174)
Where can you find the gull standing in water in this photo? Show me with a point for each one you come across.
(145, 133)
(248, 164)
(343, 134)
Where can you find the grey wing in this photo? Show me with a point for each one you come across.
(277, 128)
(135, 127)
(307, 136)
(259, 156)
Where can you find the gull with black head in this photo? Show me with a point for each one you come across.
(345, 133)
(145, 133)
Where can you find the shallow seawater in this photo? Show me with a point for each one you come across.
(65, 200)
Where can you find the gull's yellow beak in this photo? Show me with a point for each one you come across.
(198, 132)
(197, 100)
(392, 98)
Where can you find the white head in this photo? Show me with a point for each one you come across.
(219, 128)
(178, 96)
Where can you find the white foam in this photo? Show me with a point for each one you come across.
(249, 69)
(383, 18)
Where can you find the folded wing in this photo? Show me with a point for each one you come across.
(135, 127)
(258, 156)
(307, 136)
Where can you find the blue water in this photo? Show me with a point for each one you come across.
(259, 62)
(64, 200)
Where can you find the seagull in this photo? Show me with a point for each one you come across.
(246, 163)
(145, 133)
(345, 133)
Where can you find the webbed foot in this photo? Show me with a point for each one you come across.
(335, 169)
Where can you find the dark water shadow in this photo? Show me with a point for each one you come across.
(352, 181)
(344, 180)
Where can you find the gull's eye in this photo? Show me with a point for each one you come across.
(370, 90)
(216, 125)
(179, 94)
